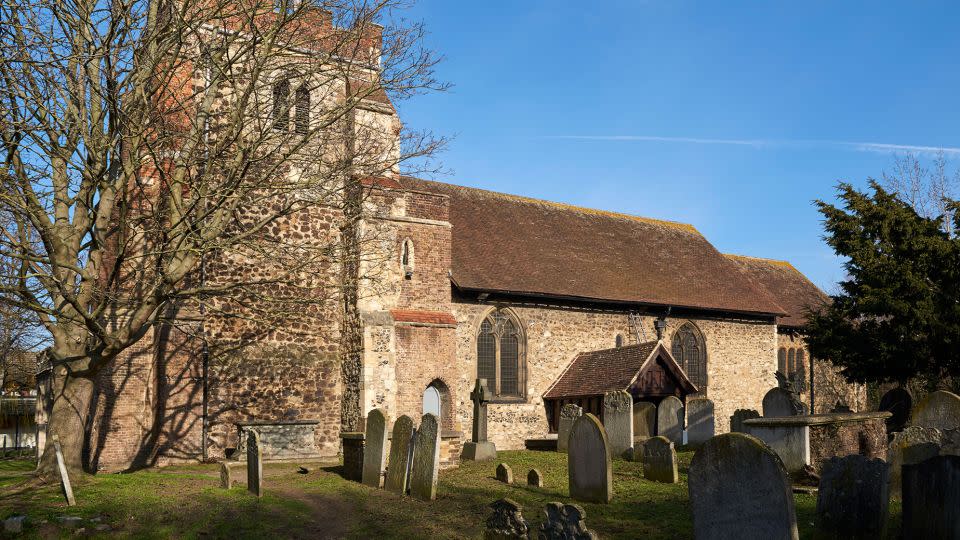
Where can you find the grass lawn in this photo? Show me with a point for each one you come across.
(185, 502)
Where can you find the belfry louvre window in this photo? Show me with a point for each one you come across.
(302, 113)
(281, 109)
(690, 352)
(500, 355)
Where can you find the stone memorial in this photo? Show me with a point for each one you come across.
(374, 448)
(589, 466)
(254, 464)
(64, 475)
(426, 459)
(644, 420)
(931, 498)
(479, 448)
(739, 489)
(660, 461)
(701, 425)
(913, 445)
(504, 473)
(565, 522)
(618, 421)
(940, 409)
(226, 476)
(778, 402)
(899, 403)
(534, 478)
(398, 468)
(568, 415)
(739, 417)
(853, 498)
(506, 522)
(670, 415)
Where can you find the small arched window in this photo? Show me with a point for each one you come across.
(619, 341)
(782, 360)
(690, 352)
(407, 258)
(500, 355)
(302, 112)
(799, 374)
(281, 109)
(791, 363)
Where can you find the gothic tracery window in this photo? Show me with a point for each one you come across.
(690, 352)
(500, 355)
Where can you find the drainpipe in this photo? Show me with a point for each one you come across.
(811, 384)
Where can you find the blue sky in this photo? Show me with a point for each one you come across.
(731, 116)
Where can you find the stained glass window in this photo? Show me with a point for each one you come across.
(500, 355)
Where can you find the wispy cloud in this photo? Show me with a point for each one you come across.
(758, 143)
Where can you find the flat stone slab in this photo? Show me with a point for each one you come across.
(816, 419)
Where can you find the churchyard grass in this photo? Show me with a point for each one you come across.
(186, 502)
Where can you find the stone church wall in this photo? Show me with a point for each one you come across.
(829, 386)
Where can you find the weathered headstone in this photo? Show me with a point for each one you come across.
(779, 402)
(912, 445)
(701, 425)
(739, 416)
(660, 461)
(931, 498)
(226, 476)
(940, 409)
(64, 476)
(568, 415)
(506, 522)
(618, 421)
(374, 448)
(670, 416)
(426, 459)
(254, 464)
(644, 420)
(739, 489)
(504, 473)
(479, 448)
(398, 469)
(853, 497)
(589, 466)
(899, 403)
(534, 478)
(565, 522)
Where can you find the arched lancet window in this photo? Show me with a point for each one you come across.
(302, 112)
(791, 363)
(281, 110)
(691, 353)
(500, 355)
(799, 375)
(619, 341)
(407, 258)
(782, 360)
(431, 401)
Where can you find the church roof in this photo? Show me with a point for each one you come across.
(793, 291)
(608, 370)
(510, 244)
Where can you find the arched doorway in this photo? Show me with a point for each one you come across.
(431, 401)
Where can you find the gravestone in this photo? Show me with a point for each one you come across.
(64, 476)
(779, 402)
(644, 420)
(670, 419)
(254, 464)
(479, 448)
(504, 473)
(226, 476)
(506, 522)
(912, 445)
(701, 425)
(739, 489)
(589, 466)
(660, 461)
(374, 448)
(568, 415)
(931, 498)
(618, 421)
(398, 469)
(534, 478)
(940, 409)
(899, 403)
(853, 498)
(565, 522)
(426, 459)
(739, 416)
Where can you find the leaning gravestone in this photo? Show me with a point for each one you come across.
(565, 522)
(254, 464)
(374, 448)
(700, 421)
(779, 402)
(534, 478)
(618, 421)
(568, 415)
(670, 419)
(504, 473)
(940, 409)
(64, 476)
(399, 467)
(853, 497)
(506, 522)
(644, 420)
(931, 498)
(660, 461)
(226, 476)
(898, 402)
(739, 416)
(739, 489)
(426, 459)
(589, 466)
(910, 446)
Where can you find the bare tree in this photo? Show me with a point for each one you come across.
(150, 146)
(928, 188)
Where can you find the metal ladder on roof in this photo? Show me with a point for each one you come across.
(636, 326)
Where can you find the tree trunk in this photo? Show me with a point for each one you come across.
(71, 396)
